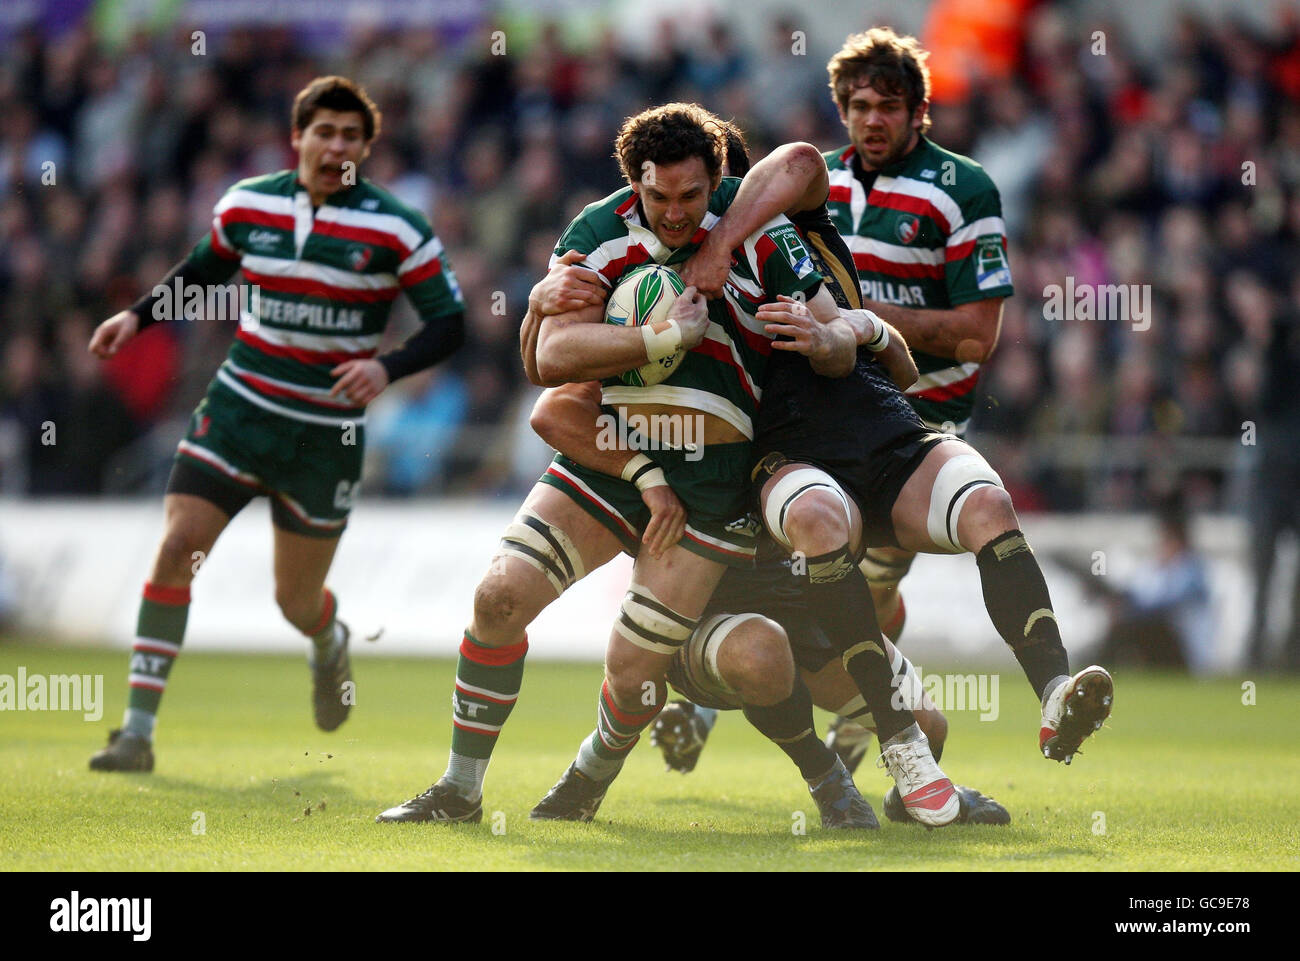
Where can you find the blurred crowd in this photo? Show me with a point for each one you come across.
(1179, 170)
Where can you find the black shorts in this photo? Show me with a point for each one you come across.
(874, 481)
(773, 590)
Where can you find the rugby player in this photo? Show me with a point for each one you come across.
(796, 404)
(285, 414)
(939, 496)
(844, 600)
(758, 627)
(672, 157)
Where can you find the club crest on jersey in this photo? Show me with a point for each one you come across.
(908, 227)
(358, 256)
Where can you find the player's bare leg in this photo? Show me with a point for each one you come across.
(191, 528)
(659, 613)
(301, 565)
(551, 544)
(805, 510)
(954, 502)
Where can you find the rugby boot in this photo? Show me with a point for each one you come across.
(1077, 708)
(330, 702)
(680, 734)
(849, 740)
(125, 752)
(976, 808)
(840, 803)
(575, 797)
(440, 803)
(928, 795)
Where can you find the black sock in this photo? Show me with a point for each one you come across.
(841, 600)
(789, 725)
(1021, 609)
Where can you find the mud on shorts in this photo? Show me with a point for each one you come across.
(235, 451)
(714, 489)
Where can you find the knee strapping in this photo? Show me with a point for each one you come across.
(956, 481)
(650, 624)
(546, 547)
(789, 489)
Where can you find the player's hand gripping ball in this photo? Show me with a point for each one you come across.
(645, 296)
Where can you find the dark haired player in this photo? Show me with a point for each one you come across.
(926, 491)
(577, 518)
(328, 252)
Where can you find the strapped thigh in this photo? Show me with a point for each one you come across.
(544, 546)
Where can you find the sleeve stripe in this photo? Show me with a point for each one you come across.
(221, 244)
(420, 274)
(430, 250)
(978, 228)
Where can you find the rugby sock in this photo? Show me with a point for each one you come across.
(894, 629)
(617, 731)
(1016, 597)
(839, 594)
(159, 631)
(327, 633)
(487, 685)
(789, 725)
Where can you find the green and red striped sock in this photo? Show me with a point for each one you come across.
(159, 632)
(617, 731)
(487, 685)
(326, 635)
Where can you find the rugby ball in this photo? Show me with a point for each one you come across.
(645, 295)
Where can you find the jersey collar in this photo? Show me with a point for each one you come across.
(631, 212)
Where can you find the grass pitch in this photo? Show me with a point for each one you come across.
(1185, 777)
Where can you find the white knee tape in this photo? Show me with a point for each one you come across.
(955, 482)
(707, 641)
(651, 624)
(544, 546)
(789, 489)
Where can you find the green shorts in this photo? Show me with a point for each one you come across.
(714, 489)
(235, 451)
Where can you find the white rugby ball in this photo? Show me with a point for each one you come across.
(645, 295)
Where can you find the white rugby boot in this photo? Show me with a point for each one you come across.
(1076, 708)
(928, 796)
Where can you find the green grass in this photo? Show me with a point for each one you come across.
(1187, 778)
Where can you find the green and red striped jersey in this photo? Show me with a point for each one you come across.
(723, 375)
(926, 232)
(325, 282)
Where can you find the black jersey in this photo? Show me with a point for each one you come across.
(834, 422)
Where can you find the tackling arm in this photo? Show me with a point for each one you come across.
(789, 180)
(895, 356)
(567, 418)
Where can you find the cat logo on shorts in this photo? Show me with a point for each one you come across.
(749, 525)
(908, 227)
